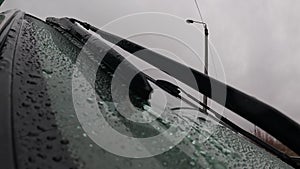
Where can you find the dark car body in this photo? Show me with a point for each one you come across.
(40, 129)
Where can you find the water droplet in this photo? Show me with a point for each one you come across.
(51, 138)
(226, 151)
(31, 160)
(57, 158)
(32, 134)
(41, 128)
(47, 71)
(90, 100)
(64, 141)
(192, 163)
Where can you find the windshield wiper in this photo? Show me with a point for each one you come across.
(244, 105)
(238, 102)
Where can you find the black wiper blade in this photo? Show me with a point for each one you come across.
(177, 91)
(248, 107)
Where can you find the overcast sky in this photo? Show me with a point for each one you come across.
(257, 41)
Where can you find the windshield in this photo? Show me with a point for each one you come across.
(60, 114)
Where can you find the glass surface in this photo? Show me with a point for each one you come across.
(2, 17)
(49, 132)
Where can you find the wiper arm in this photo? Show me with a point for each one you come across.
(238, 102)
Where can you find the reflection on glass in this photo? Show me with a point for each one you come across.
(2, 17)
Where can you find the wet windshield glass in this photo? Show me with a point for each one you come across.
(2, 17)
(67, 115)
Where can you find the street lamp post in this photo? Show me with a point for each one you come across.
(190, 21)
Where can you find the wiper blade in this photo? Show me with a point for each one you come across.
(238, 102)
(177, 91)
(248, 107)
